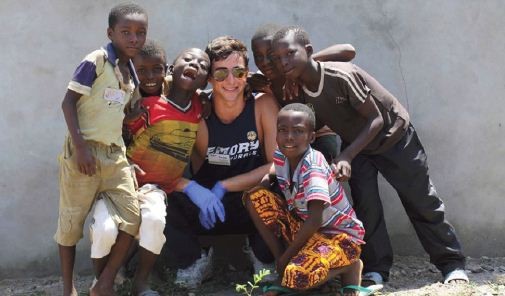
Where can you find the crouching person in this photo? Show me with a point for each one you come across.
(311, 228)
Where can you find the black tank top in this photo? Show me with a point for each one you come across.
(233, 149)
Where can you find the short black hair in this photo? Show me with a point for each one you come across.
(301, 36)
(122, 10)
(153, 48)
(311, 117)
(222, 47)
(265, 30)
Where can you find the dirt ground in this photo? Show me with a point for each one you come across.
(409, 276)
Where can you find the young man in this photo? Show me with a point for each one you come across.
(377, 137)
(93, 160)
(233, 151)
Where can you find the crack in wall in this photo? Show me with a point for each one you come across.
(387, 27)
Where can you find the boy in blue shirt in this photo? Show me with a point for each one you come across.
(93, 163)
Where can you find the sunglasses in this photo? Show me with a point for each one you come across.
(222, 73)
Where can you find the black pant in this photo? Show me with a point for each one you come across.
(327, 145)
(183, 227)
(405, 167)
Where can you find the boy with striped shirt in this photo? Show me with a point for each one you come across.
(313, 219)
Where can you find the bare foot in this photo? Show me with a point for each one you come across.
(99, 290)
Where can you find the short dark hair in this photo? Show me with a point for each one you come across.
(122, 10)
(265, 30)
(301, 36)
(152, 48)
(222, 47)
(311, 117)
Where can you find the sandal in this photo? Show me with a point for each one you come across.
(362, 291)
(456, 275)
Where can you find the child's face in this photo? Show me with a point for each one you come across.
(289, 56)
(151, 72)
(294, 134)
(191, 69)
(128, 35)
(262, 50)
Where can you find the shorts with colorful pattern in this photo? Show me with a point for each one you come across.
(322, 251)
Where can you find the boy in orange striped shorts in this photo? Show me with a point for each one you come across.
(312, 229)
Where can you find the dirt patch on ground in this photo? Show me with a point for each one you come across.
(409, 276)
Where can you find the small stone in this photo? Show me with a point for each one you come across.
(476, 269)
(433, 269)
(501, 268)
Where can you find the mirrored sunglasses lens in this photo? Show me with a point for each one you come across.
(239, 72)
(220, 74)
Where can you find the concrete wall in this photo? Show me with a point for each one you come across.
(443, 59)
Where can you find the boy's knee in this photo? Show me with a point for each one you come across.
(151, 232)
(103, 235)
(296, 278)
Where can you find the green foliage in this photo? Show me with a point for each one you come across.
(247, 289)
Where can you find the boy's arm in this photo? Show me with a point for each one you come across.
(370, 111)
(309, 227)
(336, 53)
(85, 160)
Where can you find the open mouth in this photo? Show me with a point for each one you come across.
(150, 84)
(190, 73)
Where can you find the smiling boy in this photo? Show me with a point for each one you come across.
(163, 125)
(312, 230)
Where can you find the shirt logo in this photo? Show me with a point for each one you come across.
(339, 100)
(251, 135)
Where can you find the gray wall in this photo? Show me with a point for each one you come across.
(443, 59)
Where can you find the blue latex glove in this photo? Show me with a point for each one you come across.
(219, 190)
(205, 220)
(210, 206)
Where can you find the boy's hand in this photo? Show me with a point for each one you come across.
(206, 103)
(291, 90)
(258, 83)
(341, 167)
(138, 110)
(85, 160)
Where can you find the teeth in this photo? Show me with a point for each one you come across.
(150, 84)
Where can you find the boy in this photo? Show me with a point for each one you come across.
(261, 45)
(377, 137)
(93, 160)
(164, 131)
(315, 220)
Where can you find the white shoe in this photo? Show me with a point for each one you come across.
(258, 265)
(191, 277)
